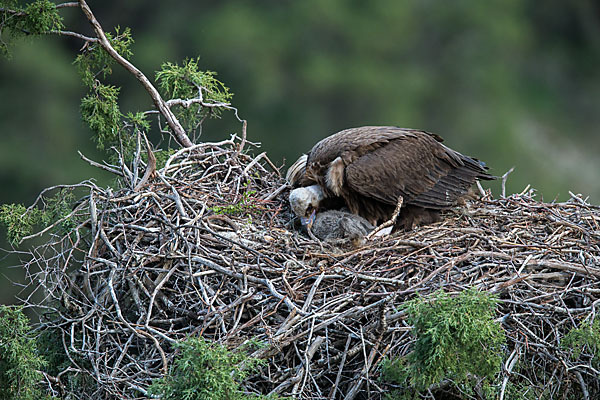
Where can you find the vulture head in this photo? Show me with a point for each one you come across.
(305, 202)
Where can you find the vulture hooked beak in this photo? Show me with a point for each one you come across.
(308, 222)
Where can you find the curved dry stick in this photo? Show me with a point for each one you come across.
(391, 222)
(504, 178)
(150, 167)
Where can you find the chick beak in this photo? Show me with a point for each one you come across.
(308, 222)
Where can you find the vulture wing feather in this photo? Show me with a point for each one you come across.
(417, 167)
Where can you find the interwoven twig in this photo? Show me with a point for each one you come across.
(207, 248)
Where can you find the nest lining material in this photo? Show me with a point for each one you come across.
(207, 248)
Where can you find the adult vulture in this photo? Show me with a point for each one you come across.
(372, 169)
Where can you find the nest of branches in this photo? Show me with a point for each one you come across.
(206, 247)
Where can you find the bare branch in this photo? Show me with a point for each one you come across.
(150, 168)
(14, 13)
(75, 35)
(390, 222)
(69, 4)
(504, 178)
(101, 166)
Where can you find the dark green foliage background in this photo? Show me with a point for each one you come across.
(508, 81)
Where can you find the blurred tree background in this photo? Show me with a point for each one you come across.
(513, 82)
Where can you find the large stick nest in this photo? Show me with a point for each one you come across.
(207, 248)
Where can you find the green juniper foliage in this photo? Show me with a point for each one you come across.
(584, 339)
(40, 17)
(138, 121)
(206, 371)
(57, 208)
(244, 206)
(94, 62)
(99, 108)
(20, 221)
(455, 337)
(185, 82)
(396, 371)
(36, 18)
(19, 359)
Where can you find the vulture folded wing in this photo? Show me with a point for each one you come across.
(419, 168)
(452, 186)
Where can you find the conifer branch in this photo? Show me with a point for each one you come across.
(178, 131)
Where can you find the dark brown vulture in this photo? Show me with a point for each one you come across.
(370, 168)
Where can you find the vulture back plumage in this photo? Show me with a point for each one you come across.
(371, 167)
